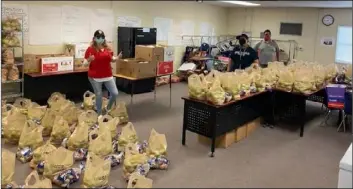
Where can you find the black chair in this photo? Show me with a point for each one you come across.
(347, 110)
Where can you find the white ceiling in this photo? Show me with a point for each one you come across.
(307, 4)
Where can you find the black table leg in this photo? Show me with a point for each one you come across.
(213, 133)
(340, 117)
(303, 117)
(170, 90)
(183, 135)
(132, 90)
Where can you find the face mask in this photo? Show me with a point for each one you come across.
(242, 41)
(99, 40)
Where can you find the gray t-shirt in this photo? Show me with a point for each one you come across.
(267, 51)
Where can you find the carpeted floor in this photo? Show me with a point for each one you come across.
(268, 158)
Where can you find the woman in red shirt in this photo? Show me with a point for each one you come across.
(99, 57)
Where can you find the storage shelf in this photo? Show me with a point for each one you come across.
(12, 95)
(12, 81)
(16, 64)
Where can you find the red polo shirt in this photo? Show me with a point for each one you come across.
(100, 67)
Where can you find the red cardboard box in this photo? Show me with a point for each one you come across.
(165, 68)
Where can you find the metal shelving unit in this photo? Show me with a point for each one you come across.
(19, 62)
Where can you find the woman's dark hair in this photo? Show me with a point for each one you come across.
(99, 34)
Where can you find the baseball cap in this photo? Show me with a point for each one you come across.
(99, 34)
(242, 35)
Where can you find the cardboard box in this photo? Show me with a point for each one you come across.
(151, 53)
(55, 64)
(78, 64)
(136, 68)
(253, 125)
(32, 62)
(223, 141)
(241, 133)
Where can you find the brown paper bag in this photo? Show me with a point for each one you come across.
(59, 160)
(110, 122)
(13, 125)
(36, 181)
(102, 145)
(48, 121)
(41, 153)
(97, 171)
(4, 74)
(36, 112)
(8, 160)
(90, 117)
(89, 100)
(138, 181)
(31, 135)
(157, 144)
(119, 110)
(79, 138)
(128, 135)
(14, 73)
(60, 130)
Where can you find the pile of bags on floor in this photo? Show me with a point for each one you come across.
(219, 88)
(76, 135)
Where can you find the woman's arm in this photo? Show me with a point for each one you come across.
(116, 58)
(89, 57)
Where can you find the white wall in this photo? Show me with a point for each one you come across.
(256, 20)
(146, 10)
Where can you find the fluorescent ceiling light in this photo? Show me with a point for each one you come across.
(245, 3)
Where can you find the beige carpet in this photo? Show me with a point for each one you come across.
(268, 158)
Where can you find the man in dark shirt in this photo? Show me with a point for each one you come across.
(242, 55)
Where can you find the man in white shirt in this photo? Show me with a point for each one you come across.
(268, 50)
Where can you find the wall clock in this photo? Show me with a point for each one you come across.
(328, 20)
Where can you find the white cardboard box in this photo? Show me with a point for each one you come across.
(345, 172)
(57, 64)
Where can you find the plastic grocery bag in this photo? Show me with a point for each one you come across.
(5, 109)
(89, 100)
(36, 112)
(31, 135)
(216, 94)
(59, 160)
(349, 72)
(60, 130)
(111, 123)
(304, 81)
(36, 181)
(89, 116)
(79, 138)
(128, 135)
(285, 80)
(48, 121)
(13, 125)
(97, 171)
(56, 100)
(119, 110)
(13, 74)
(197, 89)
(133, 159)
(22, 104)
(331, 71)
(68, 111)
(8, 160)
(102, 144)
(210, 78)
(41, 152)
(157, 144)
(138, 181)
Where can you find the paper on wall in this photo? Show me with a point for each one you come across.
(163, 26)
(103, 19)
(51, 35)
(76, 24)
(80, 49)
(328, 41)
(129, 21)
(187, 27)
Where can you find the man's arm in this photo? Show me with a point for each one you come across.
(257, 48)
(277, 50)
(255, 57)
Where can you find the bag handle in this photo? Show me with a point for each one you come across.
(87, 94)
(9, 107)
(33, 174)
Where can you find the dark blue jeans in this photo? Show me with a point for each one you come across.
(97, 88)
